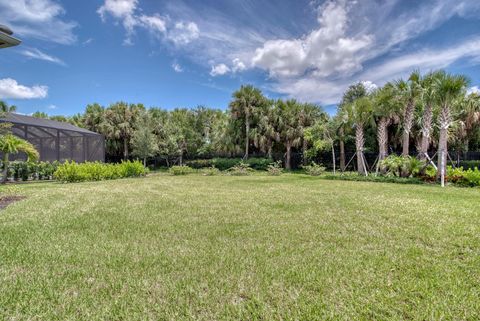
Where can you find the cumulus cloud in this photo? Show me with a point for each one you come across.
(37, 54)
(238, 65)
(11, 89)
(40, 19)
(323, 52)
(128, 13)
(219, 70)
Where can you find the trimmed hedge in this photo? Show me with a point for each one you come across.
(372, 178)
(70, 172)
(223, 164)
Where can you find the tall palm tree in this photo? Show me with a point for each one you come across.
(448, 88)
(309, 114)
(11, 144)
(245, 101)
(408, 91)
(386, 110)
(427, 96)
(468, 120)
(352, 93)
(118, 123)
(360, 113)
(266, 132)
(289, 128)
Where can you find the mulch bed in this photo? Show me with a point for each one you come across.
(7, 200)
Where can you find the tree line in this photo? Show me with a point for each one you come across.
(422, 115)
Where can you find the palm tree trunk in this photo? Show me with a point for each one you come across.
(247, 134)
(359, 142)
(181, 158)
(444, 122)
(342, 148)
(333, 158)
(304, 150)
(407, 128)
(5, 168)
(426, 129)
(382, 138)
(288, 163)
(269, 151)
(144, 162)
(125, 149)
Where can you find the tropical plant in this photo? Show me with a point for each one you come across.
(275, 169)
(448, 88)
(143, 140)
(10, 144)
(289, 127)
(245, 101)
(314, 169)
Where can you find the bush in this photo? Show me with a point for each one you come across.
(20, 170)
(401, 166)
(225, 163)
(181, 170)
(210, 171)
(95, 171)
(241, 169)
(259, 164)
(371, 178)
(461, 177)
(275, 169)
(199, 163)
(314, 169)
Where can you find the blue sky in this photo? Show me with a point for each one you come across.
(184, 53)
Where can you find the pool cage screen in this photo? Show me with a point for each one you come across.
(57, 141)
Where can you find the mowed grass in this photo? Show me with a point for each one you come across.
(240, 248)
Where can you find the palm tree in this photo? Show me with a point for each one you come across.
(266, 132)
(245, 101)
(10, 144)
(5, 108)
(468, 120)
(118, 123)
(386, 109)
(428, 101)
(289, 128)
(309, 114)
(448, 88)
(408, 91)
(360, 113)
(353, 92)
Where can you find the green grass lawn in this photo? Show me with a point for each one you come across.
(240, 248)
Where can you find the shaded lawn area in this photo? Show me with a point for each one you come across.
(240, 248)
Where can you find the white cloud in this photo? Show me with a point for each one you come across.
(177, 67)
(41, 19)
(127, 11)
(219, 70)
(52, 107)
(473, 90)
(324, 51)
(37, 54)
(10, 89)
(184, 33)
(238, 65)
(369, 86)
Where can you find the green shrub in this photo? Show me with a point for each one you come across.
(314, 169)
(401, 166)
(275, 169)
(372, 178)
(181, 170)
(225, 163)
(241, 169)
(259, 164)
(199, 163)
(96, 171)
(210, 171)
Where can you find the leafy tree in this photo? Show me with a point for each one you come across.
(245, 101)
(40, 114)
(11, 144)
(144, 142)
(321, 136)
